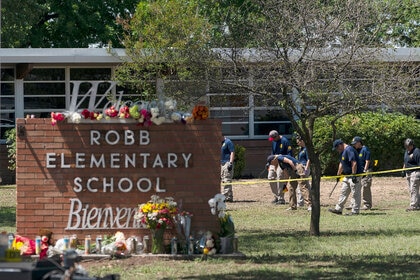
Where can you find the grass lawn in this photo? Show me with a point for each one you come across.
(382, 243)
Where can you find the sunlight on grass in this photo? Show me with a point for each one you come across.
(383, 243)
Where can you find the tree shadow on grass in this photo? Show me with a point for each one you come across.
(299, 265)
(328, 267)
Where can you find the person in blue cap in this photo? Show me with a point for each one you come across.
(292, 169)
(226, 167)
(412, 161)
(349, 166)
(366, 181)
(280, 145)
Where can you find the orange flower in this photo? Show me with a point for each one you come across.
(200, 112)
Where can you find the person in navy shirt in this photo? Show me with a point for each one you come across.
(412, 161)
(280, 145)
(366, 181)
(349, 166)
(292, 169)
(226, 167)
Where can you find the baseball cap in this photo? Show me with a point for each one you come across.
(270, 158)
(272, 135)
(356, 139)
(336, 143)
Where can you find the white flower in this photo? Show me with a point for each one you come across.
(75, 117)
(217, 205)
(212, 202)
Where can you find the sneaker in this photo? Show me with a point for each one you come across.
(310, 208)
(412, 209)
(352, 214)
(280, 202)
(291, 208)
(230, 199)
(275, 200)
(366, 208)
(334, 211)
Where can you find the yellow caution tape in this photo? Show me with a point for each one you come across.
(323, 177)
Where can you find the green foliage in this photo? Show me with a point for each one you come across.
(239, 162)
(11, 148)
(382, 133)
(402, 27)
(63, 24)
(169, 41)
(227, 227)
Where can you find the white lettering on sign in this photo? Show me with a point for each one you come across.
(124, 185)
(113, 137)
(83, 217)
(118, 160)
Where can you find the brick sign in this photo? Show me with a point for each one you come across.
(89, 178)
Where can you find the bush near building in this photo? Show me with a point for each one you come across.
(239, 161)
(383, 133)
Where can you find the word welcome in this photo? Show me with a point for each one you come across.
(83, 217)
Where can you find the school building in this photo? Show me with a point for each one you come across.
(36, 82)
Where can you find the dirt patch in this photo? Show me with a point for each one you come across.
(383, 189)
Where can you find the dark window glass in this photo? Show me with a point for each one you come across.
(7, 89)
(7, 103)
(7, 74)
(48, 103)
(228, 100)
(235, 129)
(90, 74)
(264, 128)
(44, 89)
(230, 115)
(270, 115)
(46, 74)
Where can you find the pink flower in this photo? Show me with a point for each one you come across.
(56, 117)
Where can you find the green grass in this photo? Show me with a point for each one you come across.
(380, 244)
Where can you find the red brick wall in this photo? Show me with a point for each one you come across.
(256, 154)
(46, 184)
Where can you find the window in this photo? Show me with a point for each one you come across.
(44, 92)
(7, 101)
(247, 116)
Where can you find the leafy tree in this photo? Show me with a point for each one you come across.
(63, 23)
(312, 58)
(319, 58)
(402, 28)
(167, 41)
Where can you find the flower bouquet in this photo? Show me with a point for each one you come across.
(156, 215)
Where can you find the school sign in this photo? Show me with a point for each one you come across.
(89, 178)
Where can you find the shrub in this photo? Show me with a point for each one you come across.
(382, 133)
(11, 147)
(239, 162)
